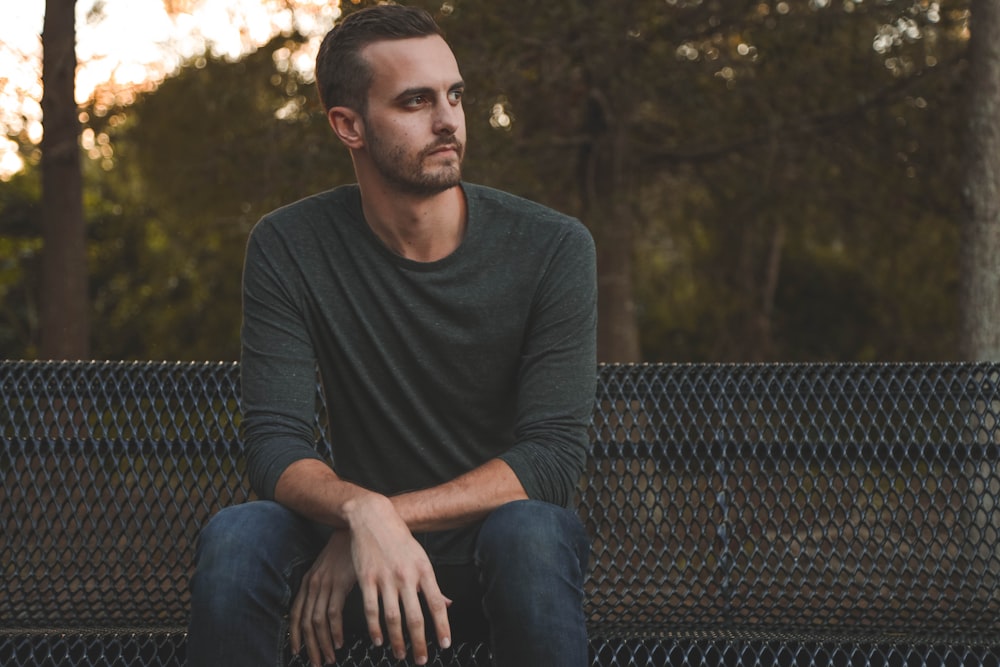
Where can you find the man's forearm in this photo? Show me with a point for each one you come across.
(312, 489)
(463, 500)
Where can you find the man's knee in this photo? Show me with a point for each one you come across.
(242, 528)
(241, 590)
(245, 543)
(528, 532)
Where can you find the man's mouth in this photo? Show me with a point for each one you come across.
(437, 150)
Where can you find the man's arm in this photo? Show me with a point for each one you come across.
(463, 500)
(312, 489)
(557, 372)
(389, 565)
(378, 551)
(381, 554)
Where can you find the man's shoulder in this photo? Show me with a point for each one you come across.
(494, 200)
(305, 212)
(527, 216)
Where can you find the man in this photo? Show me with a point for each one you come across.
(454, 330)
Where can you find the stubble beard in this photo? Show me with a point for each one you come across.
(408, 172)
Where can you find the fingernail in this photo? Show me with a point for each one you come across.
(446, 642)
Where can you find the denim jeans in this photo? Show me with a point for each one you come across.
(524, 591)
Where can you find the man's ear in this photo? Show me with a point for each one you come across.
(348, 125)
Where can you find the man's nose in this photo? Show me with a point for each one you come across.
(448, 118)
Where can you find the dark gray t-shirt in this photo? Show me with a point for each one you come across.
(429, 369)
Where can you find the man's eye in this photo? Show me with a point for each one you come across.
(415, 101)
(455, 96)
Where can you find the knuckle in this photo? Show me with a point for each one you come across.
(436, 603)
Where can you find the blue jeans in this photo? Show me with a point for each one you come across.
(524, 591)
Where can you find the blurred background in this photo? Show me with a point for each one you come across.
(766, 180)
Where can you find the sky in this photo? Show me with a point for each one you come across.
(129, 42)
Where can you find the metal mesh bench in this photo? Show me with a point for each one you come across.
(742, 514)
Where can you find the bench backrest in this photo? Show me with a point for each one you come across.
(804, 498)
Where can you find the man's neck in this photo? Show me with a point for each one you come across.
(422, 229)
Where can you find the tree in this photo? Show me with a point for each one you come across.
(197, 162)
(654, 119)
(20, 245)
(64, 311)
(980, 330)
(779, 189)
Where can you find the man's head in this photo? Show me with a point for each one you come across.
(343, 76)
(393, 95)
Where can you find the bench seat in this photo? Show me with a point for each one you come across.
(783, 514)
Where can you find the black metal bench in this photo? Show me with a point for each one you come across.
(742, 515)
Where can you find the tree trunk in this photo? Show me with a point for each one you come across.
(606, 211)
(617, 328)
(980, 304)
(64, 300)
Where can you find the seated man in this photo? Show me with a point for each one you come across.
(454, 330)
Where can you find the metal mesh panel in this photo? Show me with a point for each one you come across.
(815, 498)
(167, 650)
(775, 514)
(109, 470)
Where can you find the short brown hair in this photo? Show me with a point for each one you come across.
(342, 75)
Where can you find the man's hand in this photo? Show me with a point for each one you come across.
(317, 613)
(393, 568)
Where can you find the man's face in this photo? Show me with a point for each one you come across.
(415, 124)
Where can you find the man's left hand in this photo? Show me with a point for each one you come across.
(317, 613)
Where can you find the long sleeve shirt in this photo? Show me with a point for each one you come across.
(429, 369)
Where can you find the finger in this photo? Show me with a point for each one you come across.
(394, 624)
(369, 596)
(437, 606)
(415, 625)
(321, 630)
(315, 629)
(335, 617)
(295, 618)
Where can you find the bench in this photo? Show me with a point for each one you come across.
(805, 515)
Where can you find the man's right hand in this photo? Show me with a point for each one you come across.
(379, 553)
(392, 568)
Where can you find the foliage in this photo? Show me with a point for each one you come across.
(765, 147)
(20, 248)
(201, 159)
(785, 173)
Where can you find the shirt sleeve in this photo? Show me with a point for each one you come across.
(277, 365)
(558, 374)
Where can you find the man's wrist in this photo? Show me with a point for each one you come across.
(359, 507)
